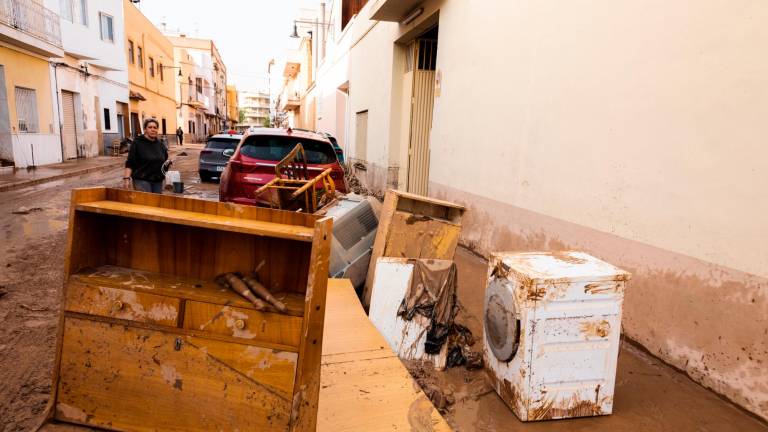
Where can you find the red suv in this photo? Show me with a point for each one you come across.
(253, 163)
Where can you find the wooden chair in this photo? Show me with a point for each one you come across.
(293, 189)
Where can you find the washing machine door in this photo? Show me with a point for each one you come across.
(502, 323)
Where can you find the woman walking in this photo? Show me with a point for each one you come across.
(146, 158)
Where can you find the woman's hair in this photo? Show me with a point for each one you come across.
(151, 120)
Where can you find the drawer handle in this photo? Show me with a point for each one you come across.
(240, 324)
(117, 305)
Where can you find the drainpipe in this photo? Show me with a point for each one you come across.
(58, 108)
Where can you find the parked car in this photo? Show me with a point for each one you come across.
(214, 157)
(339, 151)
(253, 164)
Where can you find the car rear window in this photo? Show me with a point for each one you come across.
(222, 144)
(274, 148)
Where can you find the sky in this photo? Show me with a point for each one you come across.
(248, 33)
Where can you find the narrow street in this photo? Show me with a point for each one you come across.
(34, 222)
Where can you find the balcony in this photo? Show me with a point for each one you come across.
(31, 26)
(392, 10)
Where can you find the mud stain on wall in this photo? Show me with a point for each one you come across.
(708, 320)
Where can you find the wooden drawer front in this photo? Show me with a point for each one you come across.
(243, 323)
(123, 304)
(125, 378)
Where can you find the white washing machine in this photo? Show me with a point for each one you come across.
(552, 323)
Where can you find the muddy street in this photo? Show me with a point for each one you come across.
(33, 223)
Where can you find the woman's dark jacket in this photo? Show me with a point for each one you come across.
(146, 159)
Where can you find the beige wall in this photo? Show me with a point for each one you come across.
(631, 130)
(31, 72)
(634, 130)
(160, 94)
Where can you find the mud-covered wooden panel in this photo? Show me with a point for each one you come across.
(124, 378)
(122, 304)
(240, 323)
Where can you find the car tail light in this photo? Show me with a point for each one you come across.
(202, 152)
(235, 165)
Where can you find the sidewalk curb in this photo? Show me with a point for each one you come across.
(74, 173)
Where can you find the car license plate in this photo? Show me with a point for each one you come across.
(220, 168)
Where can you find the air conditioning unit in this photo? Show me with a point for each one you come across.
(355, 220)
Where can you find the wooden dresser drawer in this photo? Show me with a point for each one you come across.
(123, 304)
(243, 323)
(136, 379)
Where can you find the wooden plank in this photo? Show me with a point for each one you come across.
(108, 371)
(186, 288)
(364, 388)
(307, 387)
(426, 199)
(204, 220)
(211, 207)
(243, 323)
(123, 304)
(347, 328)
(411, 237)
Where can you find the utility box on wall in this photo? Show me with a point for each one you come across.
(551, 325)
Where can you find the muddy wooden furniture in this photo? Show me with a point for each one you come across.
(364, 385)
(147, 340)
(293, 188)
(414, 226)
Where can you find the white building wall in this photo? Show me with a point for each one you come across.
(107, 66)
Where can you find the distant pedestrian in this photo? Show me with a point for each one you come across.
(180, 135)
(146, 160)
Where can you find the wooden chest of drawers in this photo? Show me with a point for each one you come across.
(147, 340)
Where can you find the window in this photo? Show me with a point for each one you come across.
(131, 57)
(107, 120)
(189, 126)
(83, 9)
(162, 122)
(141, 58)
(26, 110)
(107, 32)
(199, 85)
(274, 148)
(151, 67)
(350, 8)
(160, 70)
(67, 8)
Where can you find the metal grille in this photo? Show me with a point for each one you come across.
(26, 110)
(421, 115)
(351, 229)
(33, 19)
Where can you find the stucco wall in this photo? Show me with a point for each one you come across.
(635, 130)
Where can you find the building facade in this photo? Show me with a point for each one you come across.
(208, 75)
(30, 38)
(151, 74)
(255, 109)
(635, 134)
(233, 108)
(92, 77)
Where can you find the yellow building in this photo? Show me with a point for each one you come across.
(30, 37)
(233, 110)
(150, 73)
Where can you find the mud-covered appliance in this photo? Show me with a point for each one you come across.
(551, 333)
(355, 220)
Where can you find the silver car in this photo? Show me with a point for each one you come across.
(214, 157)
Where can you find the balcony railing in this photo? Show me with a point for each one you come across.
(33, 19)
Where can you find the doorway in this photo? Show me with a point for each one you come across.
(69, 125)
(135, 125)
(421, 63)
(120, 126)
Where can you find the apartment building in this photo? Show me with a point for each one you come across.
(633, 131)
(233, 108)
(254, 107)
(92, 77)
(151, 73)
(208, 74)
(30, 38)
